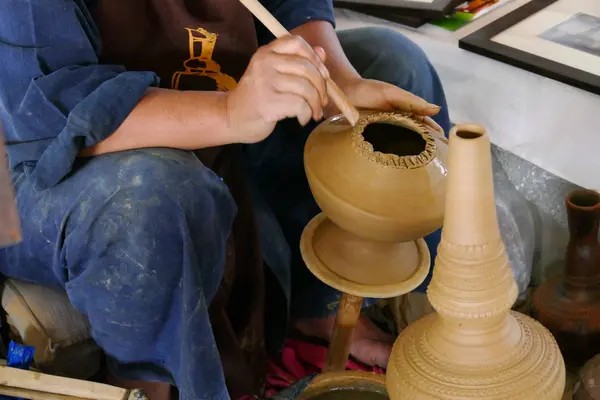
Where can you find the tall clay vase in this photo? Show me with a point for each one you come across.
(474, 347)
(569, 304)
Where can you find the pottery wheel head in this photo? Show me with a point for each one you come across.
(384, 179)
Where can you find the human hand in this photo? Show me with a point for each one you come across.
(377, 95)
(285, 79)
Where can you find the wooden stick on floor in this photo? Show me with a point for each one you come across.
(335, 93)
(345, 322)
(33, 394)
(38, 386)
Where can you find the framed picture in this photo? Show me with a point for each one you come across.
(559, 39)
(394, 16)
(422, 9)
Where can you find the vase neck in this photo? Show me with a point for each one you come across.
(472, 278)
(583, 250)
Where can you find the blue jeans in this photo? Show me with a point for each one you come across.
(137, 238)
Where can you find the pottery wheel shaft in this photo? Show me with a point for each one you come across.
(345, 322)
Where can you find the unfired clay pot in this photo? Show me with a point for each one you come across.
(381, 187)
(348, 385)
(569, 304)
(474, 347)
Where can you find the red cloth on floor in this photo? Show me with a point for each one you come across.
(299, 359)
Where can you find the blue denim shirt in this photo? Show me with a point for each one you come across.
(55, 97)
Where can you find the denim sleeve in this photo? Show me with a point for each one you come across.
(293, 13)
(55, 97)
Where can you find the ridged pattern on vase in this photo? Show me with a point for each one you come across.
(569, 304)
(529, 369)
(474, 347)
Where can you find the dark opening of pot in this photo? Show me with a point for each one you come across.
(394, 139)
(468, 134)
(585, 198)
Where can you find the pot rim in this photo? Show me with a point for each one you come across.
(584, 199)
(329, 379)
(406, 120)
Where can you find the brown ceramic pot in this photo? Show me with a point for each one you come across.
(473, 347)
(348, 385)
(569, 304)
(588, 387)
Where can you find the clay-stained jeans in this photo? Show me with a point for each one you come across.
(137, 238)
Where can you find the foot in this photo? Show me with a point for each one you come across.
(369, 344)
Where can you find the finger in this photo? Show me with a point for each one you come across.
(403, 100)
(293, 106)
(295, 65)
(297, 46)
(302, 87)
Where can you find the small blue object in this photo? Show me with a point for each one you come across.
(20, 357)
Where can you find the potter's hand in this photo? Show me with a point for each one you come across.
(285, 79)
(377, 95)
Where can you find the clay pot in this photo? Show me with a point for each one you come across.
(569, 304)
(348, 385)
(381, 187)
(473, 347)
(588, 387)
(382, 180)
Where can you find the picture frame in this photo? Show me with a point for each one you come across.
(551, 61)
(422, 9)
(394, 16)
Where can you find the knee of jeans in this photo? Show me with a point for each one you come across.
(386, 55)
(145, 217)
(141, 182)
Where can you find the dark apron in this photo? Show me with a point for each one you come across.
(204, 45)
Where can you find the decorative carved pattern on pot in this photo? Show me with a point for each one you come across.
(568, 304)
(474, 347)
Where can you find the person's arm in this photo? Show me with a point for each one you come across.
(187, 120)
(322, 34)
(283, 80)
(58, 102)
(314, 21)
(363, 92)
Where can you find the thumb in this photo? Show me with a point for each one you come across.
(403, 100)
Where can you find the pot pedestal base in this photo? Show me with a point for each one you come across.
(359, 268)
(362, 267)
